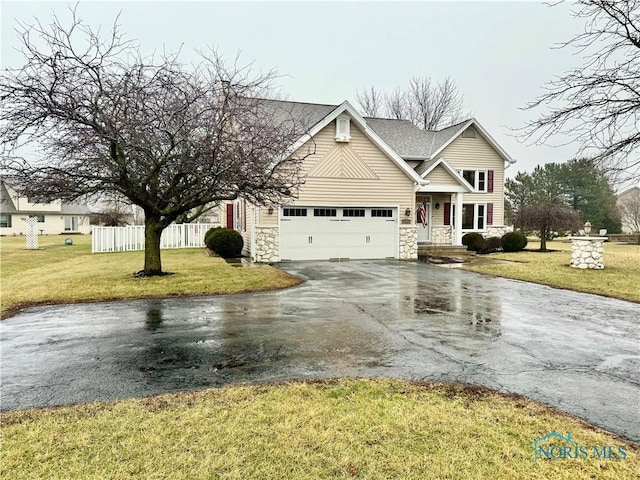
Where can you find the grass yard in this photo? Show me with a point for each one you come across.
(68, 274)
(373, 429)
(620, 277)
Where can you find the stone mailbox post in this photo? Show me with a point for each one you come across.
(587, 252)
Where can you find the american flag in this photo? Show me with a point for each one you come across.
(422, 211)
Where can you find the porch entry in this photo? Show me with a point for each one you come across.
(423, 218)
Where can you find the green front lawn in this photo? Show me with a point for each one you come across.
(373, 429)
(620, 277)
(68, 274)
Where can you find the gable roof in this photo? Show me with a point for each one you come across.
(629, 190)
(449, 134)
(315, 111)
(6, 202)
(433, 164)
(405, 139)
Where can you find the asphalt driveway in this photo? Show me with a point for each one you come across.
(577, 352)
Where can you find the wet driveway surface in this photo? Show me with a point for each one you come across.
(577, 352)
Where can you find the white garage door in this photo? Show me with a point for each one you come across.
(320, 233)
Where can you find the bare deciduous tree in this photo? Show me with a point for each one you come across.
(427, 105)
(113, 214)
(598, 104)
(167, 137)
(546, 219)
(371, 101)
(433, 106)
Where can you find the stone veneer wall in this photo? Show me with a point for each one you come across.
(587, 252)
(497, 230)
(267, 244)
(409, 242)
(441, 235)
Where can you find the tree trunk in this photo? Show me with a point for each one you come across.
(543, 240)
(152, 232)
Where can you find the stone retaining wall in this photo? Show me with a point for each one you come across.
(587, 252)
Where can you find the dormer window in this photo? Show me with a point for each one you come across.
(343, 128)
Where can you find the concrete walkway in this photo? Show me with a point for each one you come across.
(577, 352)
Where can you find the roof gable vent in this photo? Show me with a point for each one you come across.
(470, 132)
(343, 128)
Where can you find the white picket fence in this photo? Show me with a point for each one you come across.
(129, 238)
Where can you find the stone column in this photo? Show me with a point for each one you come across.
(408, 242)
(587, 252)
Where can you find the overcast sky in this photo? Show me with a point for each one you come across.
(499, 53)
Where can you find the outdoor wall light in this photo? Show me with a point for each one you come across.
(407, 212)
(587, 228)
(270, 210)
(437, 205)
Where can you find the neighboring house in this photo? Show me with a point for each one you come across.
(629, 204)
(376, 188)
(53, 218)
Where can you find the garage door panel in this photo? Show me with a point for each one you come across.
(316, 237)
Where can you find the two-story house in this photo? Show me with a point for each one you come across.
(53, 218)
(377, 188)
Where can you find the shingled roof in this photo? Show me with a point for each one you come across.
(402, 136)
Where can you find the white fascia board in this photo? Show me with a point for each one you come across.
(436, 188)
(489, 138)
(369, 133)
(453, 172)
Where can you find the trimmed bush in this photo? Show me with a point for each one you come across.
(491, 244)
(473, 241)
(513, 242)
(210, 234)
(226, 242)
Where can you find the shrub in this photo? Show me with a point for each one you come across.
(226, 242)
(513, 242)
(473, 241)
(210, 234)
(491, 244)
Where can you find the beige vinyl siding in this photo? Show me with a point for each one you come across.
(266, 220)
(478, 154)
(440, 176)
(438, 214)
(380, 181)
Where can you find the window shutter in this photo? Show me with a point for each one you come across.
(244, 215)
(229, 215)
(489, 213)
(490, 181)
(447, 213)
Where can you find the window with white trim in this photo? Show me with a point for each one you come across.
(476, 178)
(5, 221)
(39, 218)
(474, 216)
(71, 224)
